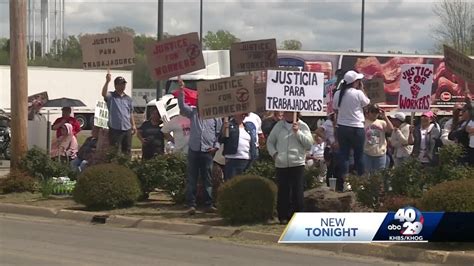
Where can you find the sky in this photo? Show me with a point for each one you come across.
(323, 25)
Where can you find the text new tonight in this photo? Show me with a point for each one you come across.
(331, 227)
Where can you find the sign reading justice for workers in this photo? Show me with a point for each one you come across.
(226, 97)
(175, 56)
(294, 91)
(415, 88)
(253, 55)
(111, 50)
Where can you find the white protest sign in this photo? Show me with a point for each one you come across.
(415, 88)
(294, 91)
(101, 115)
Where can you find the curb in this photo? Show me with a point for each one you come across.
(385, 251)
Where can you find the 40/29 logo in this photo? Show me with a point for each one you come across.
(408, 221)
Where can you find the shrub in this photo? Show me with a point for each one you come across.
(408, 179)
(450, 196)
(449, 167)
(18, 181)
(38, 164)
(368, 188)
(107, 186)
(174, 176)
(150, 173)
(246, 199)
(310, 175)
(395, 202)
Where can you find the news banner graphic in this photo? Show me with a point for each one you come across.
(406, 225)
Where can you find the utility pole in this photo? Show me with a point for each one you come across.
(362, 28)
(200, 23)
(19, 80)
(159, 84)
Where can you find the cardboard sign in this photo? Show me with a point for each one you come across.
(458, 63)
(111, 50)
(294, 91)
(226, 97)
(101, 115)
(41, 98)
(260, 91)
(175, 56)
(253, 55)
(415, 88)
(375, 90)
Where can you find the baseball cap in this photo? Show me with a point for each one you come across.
(428, 114)
(352, 76)
(400, 116)
(119, 80)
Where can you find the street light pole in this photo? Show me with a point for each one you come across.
(159, 84)
(362, 28)
(200, 23)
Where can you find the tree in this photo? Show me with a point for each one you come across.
(291, 45)
(455, 25)
(122, 29)
(221, 40)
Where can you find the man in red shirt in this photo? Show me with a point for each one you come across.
(66, 118)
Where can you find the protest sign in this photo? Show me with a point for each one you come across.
(38, 98)
(458, 63)
(294, 91)
(330, 87)
(226, 97)
(104, 51)
(175, 56)
(375, 90)
(101, 115)
(415, 88)
(260, 90)
(253, 55)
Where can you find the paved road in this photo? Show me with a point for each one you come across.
(35, 241)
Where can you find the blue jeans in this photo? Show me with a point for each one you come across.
(350, 138)
(374, 163)
(199, 163)
(235, 167)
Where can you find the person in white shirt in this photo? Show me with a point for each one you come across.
(470, 131)
(348, 103)
(257, 121)
(180, 126)
(326, 132)
(399, 140)
(315, 157)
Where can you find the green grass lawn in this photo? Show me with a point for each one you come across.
(81, 137)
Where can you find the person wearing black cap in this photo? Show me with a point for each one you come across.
(121, 123)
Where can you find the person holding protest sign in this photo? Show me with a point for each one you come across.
(287, 144)
(240, 147)
(375, 147)
(151, 137)
(203, 144)
(121, 122)
(348, 104)
(423, 138)
(460, 132)
(399, 140)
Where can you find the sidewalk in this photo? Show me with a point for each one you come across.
(160, 214)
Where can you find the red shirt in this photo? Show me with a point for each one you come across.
(190, 96)
(76, 127)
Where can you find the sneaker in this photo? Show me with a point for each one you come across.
(210, 210)
(192, 211)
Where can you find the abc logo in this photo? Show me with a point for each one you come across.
(394, 227)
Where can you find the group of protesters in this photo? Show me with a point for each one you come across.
(358, 134)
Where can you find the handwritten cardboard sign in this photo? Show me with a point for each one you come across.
(111, 50)
(294, 91)
(260, 91)
(101, 115)
(253, 55)
(375, 90)
(415, 88)
(460, 64)
(226, 97)
(175, 56)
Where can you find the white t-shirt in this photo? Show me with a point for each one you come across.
(181, 128)
(471, 136)
(257, 121)
(328, 131)
(243, 150)
(351, 112)
(317, 150)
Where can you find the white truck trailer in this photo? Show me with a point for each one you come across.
(84, 85)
